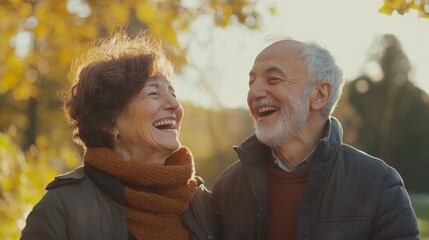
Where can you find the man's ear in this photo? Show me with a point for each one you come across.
(320, 95)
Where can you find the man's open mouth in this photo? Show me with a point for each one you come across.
(266, 110)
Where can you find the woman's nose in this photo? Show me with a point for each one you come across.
(172, 103)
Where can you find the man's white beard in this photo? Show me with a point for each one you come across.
(292, 119)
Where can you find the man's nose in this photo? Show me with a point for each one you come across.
(257, 90)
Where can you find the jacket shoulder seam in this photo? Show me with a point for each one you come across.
(67, 178)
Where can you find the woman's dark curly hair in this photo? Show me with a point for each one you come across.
(108, 76)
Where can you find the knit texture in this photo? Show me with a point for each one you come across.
(155, 195)
(285, 191)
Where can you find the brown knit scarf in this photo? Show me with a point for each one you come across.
(155, 195)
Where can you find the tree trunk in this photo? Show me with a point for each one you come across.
(32, 123)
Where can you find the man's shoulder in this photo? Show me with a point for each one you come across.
(360, 157)
(361, 161)
(233, 175)
(232, 171)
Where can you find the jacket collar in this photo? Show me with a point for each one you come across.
(107, 184)
(330, 143)
(252, 154)
(253, 149)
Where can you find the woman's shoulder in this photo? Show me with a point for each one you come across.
(200, 217)
(73, 176)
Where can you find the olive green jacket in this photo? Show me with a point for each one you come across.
(89, 204)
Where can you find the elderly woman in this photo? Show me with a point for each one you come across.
(137, 181)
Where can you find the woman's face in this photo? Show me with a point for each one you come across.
(149, 124)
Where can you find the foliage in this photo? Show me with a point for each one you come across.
(404, 6)
(423, 228)
(210, 134)
(23, 176)
(421, 207)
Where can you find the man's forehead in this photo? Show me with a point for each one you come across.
(268, 67)
(284, 47)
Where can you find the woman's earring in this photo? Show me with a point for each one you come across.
(116, 137)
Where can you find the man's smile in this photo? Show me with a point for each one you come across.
(266, 110)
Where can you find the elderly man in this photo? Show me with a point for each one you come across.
(295, 178)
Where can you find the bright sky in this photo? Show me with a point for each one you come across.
(346, 27)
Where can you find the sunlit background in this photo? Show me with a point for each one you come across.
(346, 28)
(212, 43)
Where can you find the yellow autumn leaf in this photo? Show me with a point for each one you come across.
(145, 11)
(24, 10)
(226, 12)
(158, 29)
(272, 10)
(120, 13)
(385, 9)
(171, 37)
(394, 4)
(41, 142)
(60, 27)
(8, 82)
(22, 91)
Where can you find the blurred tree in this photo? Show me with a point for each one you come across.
(405, 6)
(394, 114)
(348, 116)
(211, 133)
(23, 177)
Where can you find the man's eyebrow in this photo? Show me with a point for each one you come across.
(270, 70)
(275, 70)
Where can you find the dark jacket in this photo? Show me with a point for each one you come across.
(350, 195)
(89, 204)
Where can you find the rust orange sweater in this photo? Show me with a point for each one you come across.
(285, 190)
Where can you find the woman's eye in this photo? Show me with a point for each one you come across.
(153, 93)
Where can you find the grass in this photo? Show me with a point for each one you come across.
(422, 211)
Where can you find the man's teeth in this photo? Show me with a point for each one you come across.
(266, 109)
(165, 122)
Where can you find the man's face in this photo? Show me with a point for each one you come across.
(276, 93)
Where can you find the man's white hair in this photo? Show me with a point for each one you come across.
(321, 66)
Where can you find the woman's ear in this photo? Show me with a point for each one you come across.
(320, 95)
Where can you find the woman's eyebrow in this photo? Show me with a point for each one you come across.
(152, 85)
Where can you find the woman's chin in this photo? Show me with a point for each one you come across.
(172, 147)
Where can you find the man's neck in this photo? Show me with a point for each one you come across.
(301, 145)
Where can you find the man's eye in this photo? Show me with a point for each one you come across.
(153, 93)
(274, 80)
(250, 83)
